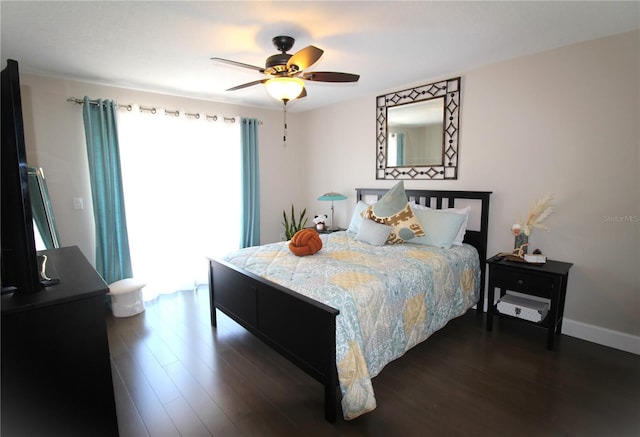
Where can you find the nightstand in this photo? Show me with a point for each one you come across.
(547, 281)
(328, 231)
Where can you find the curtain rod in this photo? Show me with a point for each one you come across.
(153, 110)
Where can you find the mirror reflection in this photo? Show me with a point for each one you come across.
(415, 133)
(44, 229)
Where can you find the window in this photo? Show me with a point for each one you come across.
(182, 187)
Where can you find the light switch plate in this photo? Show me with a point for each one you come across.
(78, 203)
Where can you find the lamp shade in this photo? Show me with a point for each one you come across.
(284, 88)
(332, 196)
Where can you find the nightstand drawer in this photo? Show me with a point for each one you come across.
(518, 280)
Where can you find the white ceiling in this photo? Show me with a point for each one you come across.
(166, 46)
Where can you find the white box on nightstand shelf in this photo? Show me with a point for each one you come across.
(523, 308)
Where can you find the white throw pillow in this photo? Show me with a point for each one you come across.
(463, 228)
(440, 227)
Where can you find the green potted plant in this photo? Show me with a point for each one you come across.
(293, 225)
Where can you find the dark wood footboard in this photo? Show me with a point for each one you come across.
(301, 329)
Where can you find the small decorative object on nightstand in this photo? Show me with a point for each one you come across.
(320, 222)
(521, 229)
(543, 282)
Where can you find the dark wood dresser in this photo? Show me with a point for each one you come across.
(56, 371)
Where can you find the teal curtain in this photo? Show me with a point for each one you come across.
(400, 149)
(113, 260)
(250, 227)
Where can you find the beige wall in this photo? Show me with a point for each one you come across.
(564, 121)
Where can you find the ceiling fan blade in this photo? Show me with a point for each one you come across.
(302, 94)
(304, 58)
(238, 64)
(330, 76)
(246, 85)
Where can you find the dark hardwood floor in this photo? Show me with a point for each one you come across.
(174, 375)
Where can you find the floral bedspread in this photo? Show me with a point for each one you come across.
(390, 298)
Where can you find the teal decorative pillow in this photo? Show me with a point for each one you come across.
(441, 227)
(356, 218)
(373, 233)
(392, 202)
(405, 224)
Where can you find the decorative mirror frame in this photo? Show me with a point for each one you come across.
(450, 90)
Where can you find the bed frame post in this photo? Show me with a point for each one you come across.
(484, 225)
(331, 381)
(212, 308)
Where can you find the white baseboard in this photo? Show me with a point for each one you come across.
(603, 336)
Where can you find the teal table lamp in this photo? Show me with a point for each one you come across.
(332, 196)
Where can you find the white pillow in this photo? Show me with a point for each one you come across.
(440, 227)
(373, 233)
(463, 229)
(356, 218)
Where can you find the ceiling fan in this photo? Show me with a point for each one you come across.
(286, 72)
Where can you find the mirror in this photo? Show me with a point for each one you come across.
(417, 132)
(44, 229)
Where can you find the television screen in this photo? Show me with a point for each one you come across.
(20, 270)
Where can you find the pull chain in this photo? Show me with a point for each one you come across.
(284, 136)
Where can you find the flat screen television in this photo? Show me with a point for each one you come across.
(20, 263)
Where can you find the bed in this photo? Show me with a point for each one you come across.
(298, 313)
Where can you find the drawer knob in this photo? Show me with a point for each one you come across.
(520, 282)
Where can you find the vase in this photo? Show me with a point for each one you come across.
(521, 243)
(320, 227)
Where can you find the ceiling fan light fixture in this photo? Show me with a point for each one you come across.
(284, 88)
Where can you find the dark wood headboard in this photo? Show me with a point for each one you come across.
(446, 199)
